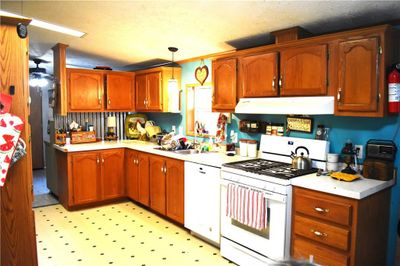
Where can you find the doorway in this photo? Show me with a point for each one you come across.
(42, 196)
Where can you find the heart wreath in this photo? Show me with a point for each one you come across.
(201, 73)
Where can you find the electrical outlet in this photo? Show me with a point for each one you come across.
(359, 151)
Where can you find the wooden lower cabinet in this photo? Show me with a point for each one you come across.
(91, 177)
(167, 187)
(335, 230)
(157, 183)
(137, 176)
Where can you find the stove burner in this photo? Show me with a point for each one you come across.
(270, 168)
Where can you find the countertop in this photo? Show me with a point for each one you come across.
(357, 189)
(215, 159)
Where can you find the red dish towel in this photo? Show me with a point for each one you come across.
(247, 206)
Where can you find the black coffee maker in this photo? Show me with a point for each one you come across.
(348, 156)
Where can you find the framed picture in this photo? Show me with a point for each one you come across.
(299, 123)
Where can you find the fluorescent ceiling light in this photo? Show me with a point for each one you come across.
(46, 25)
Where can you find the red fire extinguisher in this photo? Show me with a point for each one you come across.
(394, 90)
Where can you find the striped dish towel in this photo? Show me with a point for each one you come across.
(247, 206)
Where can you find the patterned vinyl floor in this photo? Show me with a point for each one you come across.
(119, 234)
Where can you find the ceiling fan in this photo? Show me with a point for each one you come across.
(37, 75)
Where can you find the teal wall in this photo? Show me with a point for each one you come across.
(358, 129)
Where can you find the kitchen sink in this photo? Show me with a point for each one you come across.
(189, 151)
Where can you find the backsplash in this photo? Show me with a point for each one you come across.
(98, 120)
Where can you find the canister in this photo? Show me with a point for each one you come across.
(252, 148)
(243, 147)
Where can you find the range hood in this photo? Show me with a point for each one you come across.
(323, 105)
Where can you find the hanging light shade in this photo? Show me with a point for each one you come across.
(173, 88)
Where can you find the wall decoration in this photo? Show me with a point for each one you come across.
(201, 73)
(299, 123)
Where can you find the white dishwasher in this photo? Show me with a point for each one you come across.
(202, 200)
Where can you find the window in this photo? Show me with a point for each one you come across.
(199, 115)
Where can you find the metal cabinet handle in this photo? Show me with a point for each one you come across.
(321, 210)
(102, 160)
(99, 100)
(339, 94)
(98, 160)
(273, 83)
(318, 233)
(280, 82)
(109, 101)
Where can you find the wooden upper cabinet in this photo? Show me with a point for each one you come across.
(154, 93)
(358, 89)
(151, 88)
(258, 75)
(303, 71)
(224, 80)
(141, 91)
(175, 189)
(111, 175)
(85, 169)
(120, 91)
(85, 90)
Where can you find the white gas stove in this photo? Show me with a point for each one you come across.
(270, 174)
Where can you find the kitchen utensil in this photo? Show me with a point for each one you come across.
(301, 162)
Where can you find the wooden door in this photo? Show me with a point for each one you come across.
(154, 92)
(157, 183)
(112, 178)
(141, 92)
(37, 126)
(175, 189)
(358, 76)
(85, 90)
(303, 71)
(143, 178)
(120, 91)
(224, 80)
(85, 177)
(18, 241)
(131, 174)
(258, 75)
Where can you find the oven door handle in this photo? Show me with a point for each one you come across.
(267, 194)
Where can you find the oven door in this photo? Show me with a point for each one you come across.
(272, 242)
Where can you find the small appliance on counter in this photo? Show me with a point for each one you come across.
(349, 157)
(111, 125)
(379, 162)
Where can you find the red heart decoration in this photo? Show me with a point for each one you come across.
(3, 123)
(7, 159)
(3, 180)
(201, 74)
(11, 123)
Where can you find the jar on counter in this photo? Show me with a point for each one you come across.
(269, 129)
(280, 129)
(252, 148)
(243, 147)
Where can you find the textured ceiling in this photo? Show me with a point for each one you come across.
(128, 34)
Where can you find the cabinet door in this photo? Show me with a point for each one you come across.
(224, 80)
(175, 189)
(358, 76)
(85, 90)
(111, 175)
(143, 178)
(131, 174)
(258, 75)
(157, 184)
(120, 91)
(141, 92)
(154, 92)
(85, 171)
(304, 71)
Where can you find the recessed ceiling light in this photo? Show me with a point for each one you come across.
(46, 25)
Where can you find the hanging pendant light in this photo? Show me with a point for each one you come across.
(173, 88)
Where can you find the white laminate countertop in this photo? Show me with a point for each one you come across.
(215, 159)
(357, 189)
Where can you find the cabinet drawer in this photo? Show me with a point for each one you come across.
(303, 249)
(326, 234)
(326, 209)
